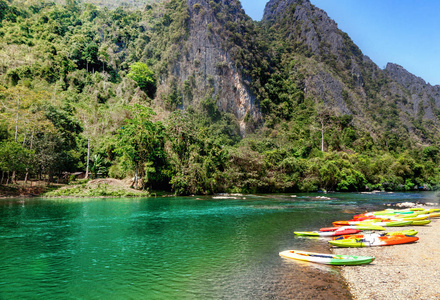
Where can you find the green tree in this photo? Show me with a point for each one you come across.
(3, 9)
(144, 77)
(141, 144)
(4, 134)
(197, 159)
(97, 166)
(14, 158)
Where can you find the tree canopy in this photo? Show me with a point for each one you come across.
(144, 77)
(84, 88)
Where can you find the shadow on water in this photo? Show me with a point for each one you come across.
(185, 248)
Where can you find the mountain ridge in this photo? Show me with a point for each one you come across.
(313, 27)
(195, 97)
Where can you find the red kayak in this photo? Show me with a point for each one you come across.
(360, 227)
(341, 229)
(338, 232)
(346, 231)
(329, 228)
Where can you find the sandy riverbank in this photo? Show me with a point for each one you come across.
(410, 271)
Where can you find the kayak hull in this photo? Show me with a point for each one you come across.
(373, 222)
(395, 223)
(420, 222)
(434, 215)
(327, 233)
(400, 213)
(374, 241)
(359, 227)
(328, 259)
(409, 232)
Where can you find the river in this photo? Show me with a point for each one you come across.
(220, 247)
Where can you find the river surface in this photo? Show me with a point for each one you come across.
(221, 247)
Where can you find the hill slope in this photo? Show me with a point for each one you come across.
(195, 97)
(392, 102)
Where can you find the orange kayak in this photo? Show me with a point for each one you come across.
(409, 232)
(374, 240)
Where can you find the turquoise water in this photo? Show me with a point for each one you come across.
(173, 248)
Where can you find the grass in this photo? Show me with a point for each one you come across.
(99, 190)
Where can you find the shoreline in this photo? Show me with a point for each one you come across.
(408, 271)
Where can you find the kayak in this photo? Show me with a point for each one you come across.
(409, 232)
(328, 259)
(345, 223)
(340, 231)
(386, 223)
(426, 216)
(415, 218)
(420, 222)
(407, 216)
(392, 213)
(367, 218)
(393, 223)
(383, 219)
(369, 227)
(433, 215)
(375, 240)
(388, 212)
(359, 227)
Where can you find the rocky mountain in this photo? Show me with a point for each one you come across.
(199, 98)
(425, 98)
(205, 67)
(205, 52)
(216, 53)
(390, 101)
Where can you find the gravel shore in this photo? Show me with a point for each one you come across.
(409, 271)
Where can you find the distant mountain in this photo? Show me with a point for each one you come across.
(385, 102)
(227, 57)
(425, 98)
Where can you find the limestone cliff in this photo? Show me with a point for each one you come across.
(205, 67)
(315, 35)
(230, 60)
(383, 101)
(425, 98)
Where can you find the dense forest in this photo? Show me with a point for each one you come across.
(93, 89)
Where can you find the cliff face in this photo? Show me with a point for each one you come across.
(308, 24)
(314, 34)
(424, 98)
(222, 56)
(205, 66)
(347, 81)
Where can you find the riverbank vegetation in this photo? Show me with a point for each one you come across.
(78, 91)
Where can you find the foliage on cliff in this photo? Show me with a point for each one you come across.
(90, 88)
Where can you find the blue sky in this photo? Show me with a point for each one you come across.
(405, 32)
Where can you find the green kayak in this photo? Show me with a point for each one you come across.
(395, 223)
(368, 227)
(420, 222)
(328, 259)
